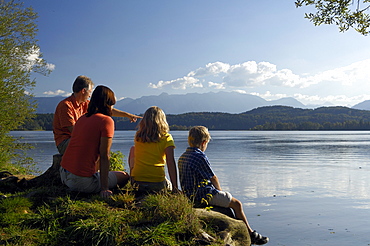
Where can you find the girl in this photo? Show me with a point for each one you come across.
(154, 147)
(89, 149)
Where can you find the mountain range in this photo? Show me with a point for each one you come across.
(227, 102)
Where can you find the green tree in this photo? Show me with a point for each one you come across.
(19, 57)
(346, 14)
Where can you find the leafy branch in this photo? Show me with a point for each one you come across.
(346, 14)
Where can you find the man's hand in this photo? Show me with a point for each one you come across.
(133, 118)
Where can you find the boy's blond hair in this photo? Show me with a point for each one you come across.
(198, 134)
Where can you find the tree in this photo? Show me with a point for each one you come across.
(19, 57)
(345, 14)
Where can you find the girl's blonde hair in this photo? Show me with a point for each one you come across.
(153, 126)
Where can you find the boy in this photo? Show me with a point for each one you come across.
(200, 184)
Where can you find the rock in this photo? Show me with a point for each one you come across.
(49, 177)
(232, 231)
(5, 174)
(204, 238)
(10, 180)
(9, 184)
(226, 211)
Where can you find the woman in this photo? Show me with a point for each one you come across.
(154, 147)
(89, 149)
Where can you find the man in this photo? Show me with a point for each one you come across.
(72, 108)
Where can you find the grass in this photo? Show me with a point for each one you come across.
(53, 216)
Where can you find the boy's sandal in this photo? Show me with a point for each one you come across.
(258, 239)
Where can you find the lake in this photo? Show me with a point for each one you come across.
(297, 187)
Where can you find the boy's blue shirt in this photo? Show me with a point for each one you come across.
(195, 173)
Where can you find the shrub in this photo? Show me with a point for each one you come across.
(116, 161)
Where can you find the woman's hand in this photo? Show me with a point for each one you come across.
(106, 193)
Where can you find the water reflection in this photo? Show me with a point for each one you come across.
(264, 164)
(267, 164)
(299, 188)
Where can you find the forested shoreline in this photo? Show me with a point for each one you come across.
(263, 118)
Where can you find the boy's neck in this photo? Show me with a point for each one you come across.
(198, 147)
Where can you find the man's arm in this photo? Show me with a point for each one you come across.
(119, 113)
(104, 149)
(215, 182)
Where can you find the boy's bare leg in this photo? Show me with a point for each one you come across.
(237, 206)
(256, 238)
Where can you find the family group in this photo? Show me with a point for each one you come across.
(83, 130)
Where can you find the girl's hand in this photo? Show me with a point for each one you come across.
(176, 191)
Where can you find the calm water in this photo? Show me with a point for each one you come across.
(298, 188)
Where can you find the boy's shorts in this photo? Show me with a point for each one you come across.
(221, 199)
(86, 184)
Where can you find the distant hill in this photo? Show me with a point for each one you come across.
(278, 118)
(262, 118)
(365, 105)
(47, 105)
(228, 102)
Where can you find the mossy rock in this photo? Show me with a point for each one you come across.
(232, 231)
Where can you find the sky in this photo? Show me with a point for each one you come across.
(146, 47)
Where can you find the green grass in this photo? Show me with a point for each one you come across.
(52, 216)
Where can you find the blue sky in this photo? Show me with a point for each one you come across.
(146, 47)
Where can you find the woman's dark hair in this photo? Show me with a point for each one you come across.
(102, 100)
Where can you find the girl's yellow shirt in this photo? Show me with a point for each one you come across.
(150, 159)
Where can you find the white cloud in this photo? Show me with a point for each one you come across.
(50, 66)
(347, 75)
(316, 99)
(242, 75)
(286, 78)
(265, 76)
(34, 57)
(180, 83)
(334, 99)
(211, 69)
(216, 85)
(251, 74)
(56, 93)
(269, 96)
(247, 74)
(241, 91)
